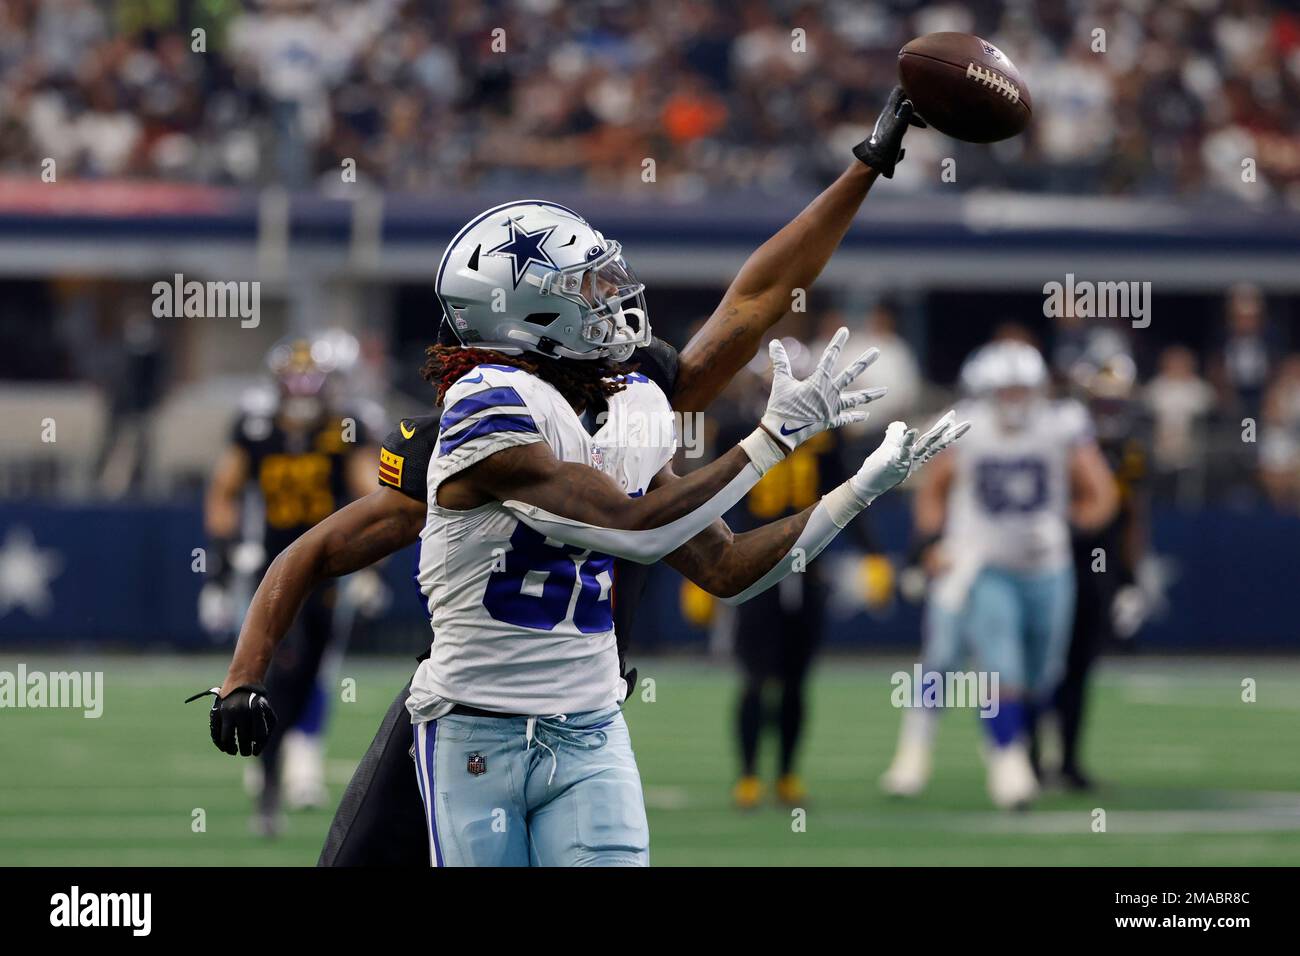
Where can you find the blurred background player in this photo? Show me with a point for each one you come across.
(1111, 603)
(296, 455)
(993, 526)
(777, 632)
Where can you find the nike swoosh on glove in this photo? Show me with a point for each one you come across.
(797, 410)
(242, 721)
(902, 453)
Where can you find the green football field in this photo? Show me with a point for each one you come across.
(1191, 774)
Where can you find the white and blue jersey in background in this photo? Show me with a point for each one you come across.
(1007, 600)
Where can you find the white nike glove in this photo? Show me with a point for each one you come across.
(798, 410)
(902, 453)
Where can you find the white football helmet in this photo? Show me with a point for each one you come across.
(1005, 364)
(533, 276)
(1012, 376)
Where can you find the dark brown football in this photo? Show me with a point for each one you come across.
(965, 87)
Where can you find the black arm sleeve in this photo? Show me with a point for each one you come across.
(658, 362)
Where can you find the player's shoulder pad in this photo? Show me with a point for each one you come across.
(491, 400)
(659, 362)
(502, 385)
(490, 377)
(413, 434)
(643, 389)
(405, 453)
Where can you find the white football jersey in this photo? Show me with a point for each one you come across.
(523, 623)
(1009, 503)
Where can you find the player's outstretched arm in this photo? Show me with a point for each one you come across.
(792, 259)
(367, 530)
(580, 506)
(370, 528)
(736, 567)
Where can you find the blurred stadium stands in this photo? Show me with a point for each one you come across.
(424, 97)
(232, 164)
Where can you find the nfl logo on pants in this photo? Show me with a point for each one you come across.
(476, 764)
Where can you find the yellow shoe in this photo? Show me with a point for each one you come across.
(790, 790)
(747, 792)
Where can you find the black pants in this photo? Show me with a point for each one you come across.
(1092, 633)
(292, 677)
(777, 633)
(380, 820)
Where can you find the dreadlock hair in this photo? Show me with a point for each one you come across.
(583, 384)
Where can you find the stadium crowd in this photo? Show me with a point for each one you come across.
(1220, 421)
(728, 95)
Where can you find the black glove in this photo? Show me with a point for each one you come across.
(244, 717)
(630, 677)
(883, 149)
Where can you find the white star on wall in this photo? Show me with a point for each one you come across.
(26, 572)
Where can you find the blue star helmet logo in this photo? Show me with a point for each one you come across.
(524, 248)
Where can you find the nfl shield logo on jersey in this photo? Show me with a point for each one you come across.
(476, 764)
(597, 457)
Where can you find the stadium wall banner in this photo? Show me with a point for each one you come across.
(125, 575)
(119, 211)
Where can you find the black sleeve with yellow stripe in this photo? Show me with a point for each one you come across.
(404, 456)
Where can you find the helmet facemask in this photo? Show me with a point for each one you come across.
(602, 287)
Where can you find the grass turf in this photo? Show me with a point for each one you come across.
(1191, 774)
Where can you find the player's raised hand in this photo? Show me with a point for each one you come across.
(797, 410)
(903, 451)
(883, 149)
(242, 721)
(942, 434)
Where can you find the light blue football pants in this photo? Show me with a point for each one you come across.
(1015, 624)
(532, 791)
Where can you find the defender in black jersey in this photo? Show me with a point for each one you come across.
(777, 632)
(292, 460)
(1111, 605)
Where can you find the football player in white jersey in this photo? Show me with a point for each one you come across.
(548, 466)
(993, 521)
(375, 825)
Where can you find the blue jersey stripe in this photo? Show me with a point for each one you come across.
(467, 406)
(487, 425)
